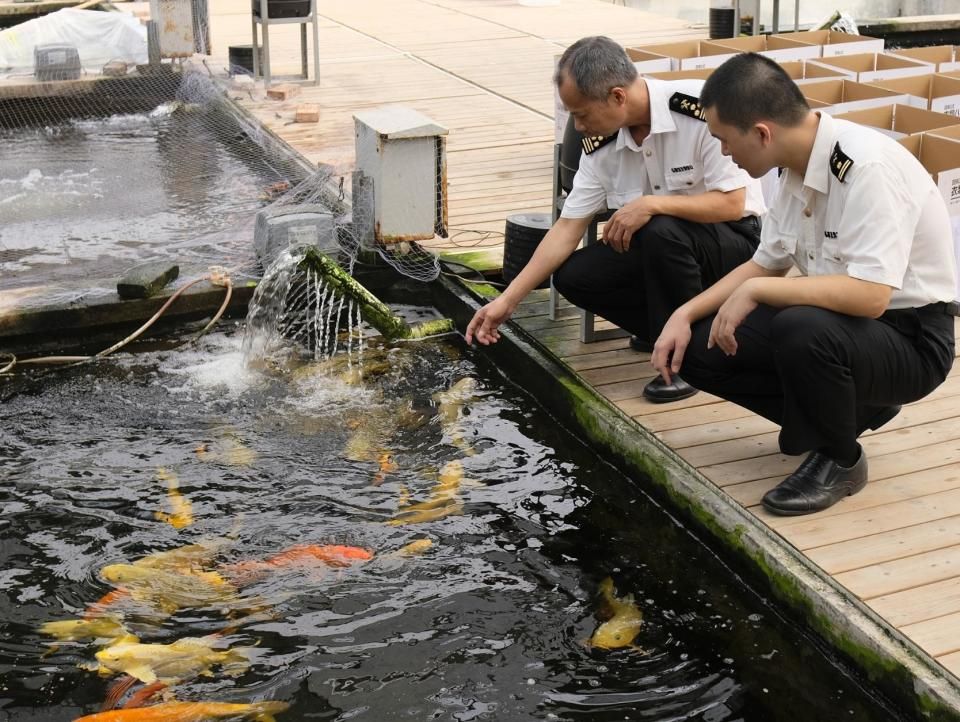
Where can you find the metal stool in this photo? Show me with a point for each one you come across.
(260, 14)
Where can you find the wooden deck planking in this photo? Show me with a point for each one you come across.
(482, 68)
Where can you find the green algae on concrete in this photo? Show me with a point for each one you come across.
(898, 669)
(372, 308)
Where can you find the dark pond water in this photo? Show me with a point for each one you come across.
(491, 622)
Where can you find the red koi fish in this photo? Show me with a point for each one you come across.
(333, 555)
(190, 712)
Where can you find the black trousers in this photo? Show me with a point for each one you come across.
(669, 262)
(823, 375)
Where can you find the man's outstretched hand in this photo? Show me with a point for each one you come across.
(485, 323)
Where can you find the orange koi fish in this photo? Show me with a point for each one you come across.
(191, 712)
(334, 555)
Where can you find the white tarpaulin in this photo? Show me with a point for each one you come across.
(98, 36)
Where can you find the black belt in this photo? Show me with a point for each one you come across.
(951, 308)
(751, 222)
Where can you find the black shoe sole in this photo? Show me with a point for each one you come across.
(665, 400)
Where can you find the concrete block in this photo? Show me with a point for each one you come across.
(146, 279)
(308, 113)
(116, 69)
(283, 91)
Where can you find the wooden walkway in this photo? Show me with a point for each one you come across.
(483, 68)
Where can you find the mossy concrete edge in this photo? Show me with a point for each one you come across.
(899, 669)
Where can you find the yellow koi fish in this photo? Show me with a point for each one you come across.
(623, 626)
(191, 712)
(229, 451)
(414, 548)
(167, 590)
(169, 663)
(450, 411)
(104, 628)
(182, 509)
(443, 500)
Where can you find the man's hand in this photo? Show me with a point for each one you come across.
(670, 347)
(618, 231)
(731, 314)
(485, 322)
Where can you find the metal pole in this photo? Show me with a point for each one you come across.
(153, 43)
(776, 16)
(736, 18)
(796, 16)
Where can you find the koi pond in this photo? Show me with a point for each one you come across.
(416, 541)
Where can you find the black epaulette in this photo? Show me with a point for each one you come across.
(593, 143)
(840, 163)
(687, 105)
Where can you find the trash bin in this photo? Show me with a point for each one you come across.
(523, 234)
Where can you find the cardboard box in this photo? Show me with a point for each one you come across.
(900, 120)
(834, 43)
(938, 92)
(940, 155)
(840, 96)
(689, 54)
(869, 67)
(646, 62)
(780, 49)
(701, 74)
(807, 72)
(944, 58)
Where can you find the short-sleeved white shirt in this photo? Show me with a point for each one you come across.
(678, 157)
(879, 217)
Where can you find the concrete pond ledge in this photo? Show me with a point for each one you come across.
(901, 671)
(54, 314)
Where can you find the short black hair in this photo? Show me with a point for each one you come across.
(596, 64)
(749, 88)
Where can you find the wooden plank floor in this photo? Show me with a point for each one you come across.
(483, 69)
(895, 545)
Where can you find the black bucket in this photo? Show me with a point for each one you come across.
(721, 23)
(283, 9)
(570, 152)
(522, 236)
(241, 56)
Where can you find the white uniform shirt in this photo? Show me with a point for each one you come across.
(678, 157)
(879, 217)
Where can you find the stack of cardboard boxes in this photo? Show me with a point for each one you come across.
(912, 95)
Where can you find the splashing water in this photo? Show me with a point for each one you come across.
(298, 306)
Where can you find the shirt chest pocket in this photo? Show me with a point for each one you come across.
(790, 243)
(684, 178)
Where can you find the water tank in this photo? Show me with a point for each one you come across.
(279, 9)
(279, 228)
(56, 61)
(523, 234)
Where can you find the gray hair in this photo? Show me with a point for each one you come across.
(595, 65)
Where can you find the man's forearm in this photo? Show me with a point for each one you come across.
(842, 294)
(709, 207)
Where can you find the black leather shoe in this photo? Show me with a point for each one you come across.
(660, 392)
(818, 483)
(641, 345)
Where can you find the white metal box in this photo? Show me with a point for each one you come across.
(403, 152)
